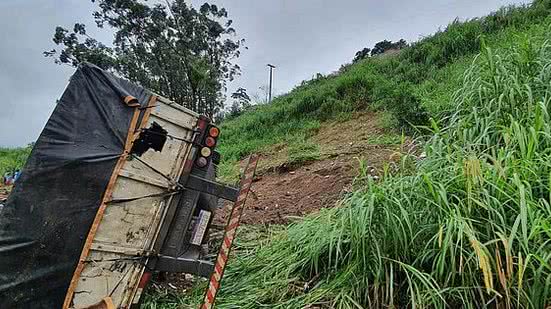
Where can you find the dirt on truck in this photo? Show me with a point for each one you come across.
(119, 185)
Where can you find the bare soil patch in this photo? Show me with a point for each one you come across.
(282, 192)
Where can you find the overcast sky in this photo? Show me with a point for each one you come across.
(300, 37)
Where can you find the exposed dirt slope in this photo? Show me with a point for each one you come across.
(282, 192)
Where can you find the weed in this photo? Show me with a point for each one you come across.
(387, 121)
(228, 172)
(385, 139)
(302, 150)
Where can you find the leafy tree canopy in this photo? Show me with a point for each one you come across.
(383, 46)
(379, 48)
(241, 95)
(241, 101)
(362, 54)
(171, 48)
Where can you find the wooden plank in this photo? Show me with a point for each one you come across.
(101, 210)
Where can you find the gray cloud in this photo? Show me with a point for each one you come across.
(300, 37)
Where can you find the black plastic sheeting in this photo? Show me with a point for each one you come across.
(45, 222)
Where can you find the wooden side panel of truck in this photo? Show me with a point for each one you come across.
(132, 219)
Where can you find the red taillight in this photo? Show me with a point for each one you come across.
(210, 142)
(202, 123)
(214, 131)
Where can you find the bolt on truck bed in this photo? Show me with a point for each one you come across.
(120, 184)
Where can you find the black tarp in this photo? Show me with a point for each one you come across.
(46, 219)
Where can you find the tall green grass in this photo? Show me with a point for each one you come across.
(13, 158)
(470, 228)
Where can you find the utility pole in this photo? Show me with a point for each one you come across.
(272, 67)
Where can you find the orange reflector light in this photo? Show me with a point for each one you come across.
(210, 142)
(202, 162)
(206, 152)
(214, 131)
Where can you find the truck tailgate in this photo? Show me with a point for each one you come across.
(112, 263)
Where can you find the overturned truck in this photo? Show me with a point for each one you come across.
(119, 185)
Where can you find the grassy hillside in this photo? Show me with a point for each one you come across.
(467, 227)
(13, 158)
(412, 86)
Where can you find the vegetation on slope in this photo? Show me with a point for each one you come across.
(469, 227)
(414, 85)
(13, 158)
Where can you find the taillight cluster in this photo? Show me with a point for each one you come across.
(209, 142)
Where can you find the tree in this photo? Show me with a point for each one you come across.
(362, 54)
(400, 44)
(381, 47)
(385, 45)
(241, 101)
(241, 95)
(173, 49)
